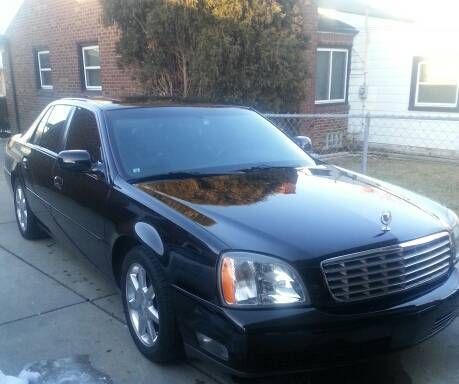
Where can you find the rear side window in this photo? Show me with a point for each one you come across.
(51, 134)
(83, 133)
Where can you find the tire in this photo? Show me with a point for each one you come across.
(149, 311)
(27, 222)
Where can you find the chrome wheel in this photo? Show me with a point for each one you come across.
(21, 207)
(142, 305)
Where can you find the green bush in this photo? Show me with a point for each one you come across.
(238, 51)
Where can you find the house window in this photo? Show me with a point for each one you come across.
(436, 84)
(331, 75)
(91, 67)
(334, 140)
(44, 70)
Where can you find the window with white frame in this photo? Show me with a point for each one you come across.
(436, 84)
(91, 67)
(44, 70)
(331, 75)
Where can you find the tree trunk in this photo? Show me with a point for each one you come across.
(184, 75)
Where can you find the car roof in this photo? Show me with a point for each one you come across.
(141, 102)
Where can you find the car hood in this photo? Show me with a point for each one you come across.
(300, 213)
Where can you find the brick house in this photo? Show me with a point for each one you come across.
(331, 45)
(61, 48)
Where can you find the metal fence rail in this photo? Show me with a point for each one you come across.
(426, 135)
(418, 151)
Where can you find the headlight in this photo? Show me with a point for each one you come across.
(454, 222)
(250, 279)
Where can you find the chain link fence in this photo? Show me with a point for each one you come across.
(419, 152)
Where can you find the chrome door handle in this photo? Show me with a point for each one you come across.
(25, 162)
(58, 182)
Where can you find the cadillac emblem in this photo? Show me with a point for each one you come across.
(386, 219)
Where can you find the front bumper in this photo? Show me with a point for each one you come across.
(263, 342)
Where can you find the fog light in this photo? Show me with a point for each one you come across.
(212, 346)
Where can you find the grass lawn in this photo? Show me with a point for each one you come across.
(435, 179)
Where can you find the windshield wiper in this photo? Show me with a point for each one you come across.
(262, 167)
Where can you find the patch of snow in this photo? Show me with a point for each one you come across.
(25, 377)
(73, 370)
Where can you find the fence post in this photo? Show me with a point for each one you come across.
(366, 135)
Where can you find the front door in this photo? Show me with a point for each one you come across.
(81, 203)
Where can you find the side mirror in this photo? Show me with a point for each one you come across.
(304, 143)
(75, 160)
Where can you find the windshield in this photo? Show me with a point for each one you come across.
(151, 142)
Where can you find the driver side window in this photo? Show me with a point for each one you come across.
(83, 134)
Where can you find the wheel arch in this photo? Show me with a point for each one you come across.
(121, 247)
(143, 234)
(14, 175)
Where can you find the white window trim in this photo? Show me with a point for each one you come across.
(86, 67)
(418, 83)
(40, 69)
(331, 50)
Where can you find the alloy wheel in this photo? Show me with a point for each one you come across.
(142, 305)
(21, 207)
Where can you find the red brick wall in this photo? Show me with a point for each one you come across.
(61, 26)
(311, 21)
(334, 39)
(318, 128)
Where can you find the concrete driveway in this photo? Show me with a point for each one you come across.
(55, 306)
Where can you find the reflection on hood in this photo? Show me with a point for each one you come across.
(226, 190)
(276, 208)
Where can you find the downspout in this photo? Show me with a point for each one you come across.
(363, 90)
(365, 61)
(13, 85)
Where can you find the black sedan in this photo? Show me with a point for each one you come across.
(228, 241)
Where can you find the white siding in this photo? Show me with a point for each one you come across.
(392, 45)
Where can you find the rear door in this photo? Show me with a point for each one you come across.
(29, 156)
(46, 145)
(81, 202)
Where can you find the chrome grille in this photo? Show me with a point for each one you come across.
(383, 271)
